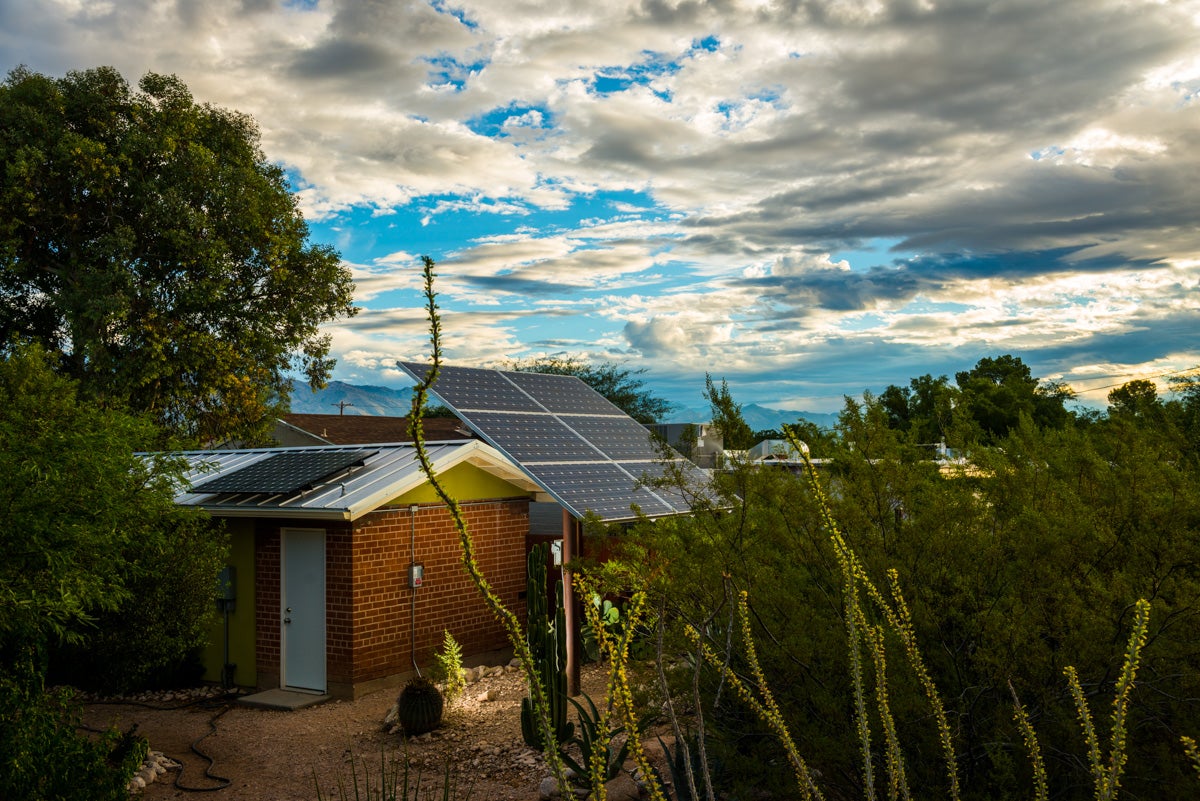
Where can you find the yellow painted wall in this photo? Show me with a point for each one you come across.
(466, 482)
(241, 620)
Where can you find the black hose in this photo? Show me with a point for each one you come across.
(226, 702)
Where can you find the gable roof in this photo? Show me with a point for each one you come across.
(383, 472)
(361, 429)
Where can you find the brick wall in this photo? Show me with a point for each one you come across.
(383, 611)
(266, 604)
(368, 603)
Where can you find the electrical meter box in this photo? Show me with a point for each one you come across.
(227, 588)
(416, 575)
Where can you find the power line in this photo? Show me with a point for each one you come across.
(1135, 377)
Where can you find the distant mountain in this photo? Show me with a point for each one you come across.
(383, 401)
(342, 398)
(759, 418)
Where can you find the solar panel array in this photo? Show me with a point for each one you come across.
(285, 473)
(584, 451)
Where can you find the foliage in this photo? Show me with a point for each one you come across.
(42, 753)
(599, 758)
(539, 703)
(397, 781)
(622, 386)
(609, 616)
(998, 391)
(727, 416)
(91, 529)
(448, 667)
(149, 241)
(1024, 561)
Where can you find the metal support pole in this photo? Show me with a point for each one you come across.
(568, 553)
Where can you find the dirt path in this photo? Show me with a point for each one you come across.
(273, 756)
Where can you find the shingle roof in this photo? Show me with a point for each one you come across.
(361, 429)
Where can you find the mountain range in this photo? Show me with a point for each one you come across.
(342, 398)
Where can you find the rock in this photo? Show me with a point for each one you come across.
(137, 783)
(622, 788)
(488, 695)
(548, 789)
(393, 714)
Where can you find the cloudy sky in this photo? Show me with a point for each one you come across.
(809, 198)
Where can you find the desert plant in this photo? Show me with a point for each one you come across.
(599, 762)
(419, 707)
(396, 781)
(546, 636)
(609, 615)
(539, 703)
(448, 667)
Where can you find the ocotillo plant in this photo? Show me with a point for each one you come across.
(548, 645)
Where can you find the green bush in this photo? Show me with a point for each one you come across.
(448, 667)
(1031, 562)
(44, 756)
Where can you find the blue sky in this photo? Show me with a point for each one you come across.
(808, 199)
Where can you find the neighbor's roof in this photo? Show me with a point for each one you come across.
(360, 429)
(383, 472)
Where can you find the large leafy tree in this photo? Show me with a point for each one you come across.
(146, 239)
(622, 386)
(85, 522)
(999, 390)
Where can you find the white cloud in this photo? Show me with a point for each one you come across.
(802, 133)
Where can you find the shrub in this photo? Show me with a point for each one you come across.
(43, 755)
(448, 667)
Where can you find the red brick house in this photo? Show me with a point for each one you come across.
(324, 541)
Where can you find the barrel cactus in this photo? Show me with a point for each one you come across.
(419, 707)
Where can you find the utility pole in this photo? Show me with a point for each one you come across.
(342, 406)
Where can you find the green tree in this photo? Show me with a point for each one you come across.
(622, 386)
(1136, 399)
(147, 239)
(84, 519)
(924, 409)
(997, 391)
(727, 416)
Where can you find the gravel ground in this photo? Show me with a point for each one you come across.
(280, 756)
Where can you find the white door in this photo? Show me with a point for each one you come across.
(302, 594)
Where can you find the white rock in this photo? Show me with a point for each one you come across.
(138, 783)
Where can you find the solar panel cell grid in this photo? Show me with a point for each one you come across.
(466, 388)
(533, 437)
(564, 394)
(620, 438)
(284, 473)
(576, 444)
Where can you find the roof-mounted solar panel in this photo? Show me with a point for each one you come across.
(286, 473)
(584, 451)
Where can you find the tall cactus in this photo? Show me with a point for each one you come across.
(547, 639)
